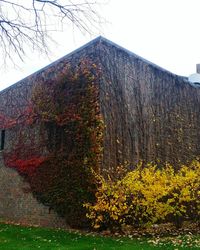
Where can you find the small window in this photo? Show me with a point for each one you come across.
(2, 139)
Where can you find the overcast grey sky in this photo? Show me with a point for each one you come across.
(165, 32)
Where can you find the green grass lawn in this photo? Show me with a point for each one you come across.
(28, 238)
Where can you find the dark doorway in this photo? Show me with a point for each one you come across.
(2, 139)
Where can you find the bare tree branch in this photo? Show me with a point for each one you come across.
(29, 24)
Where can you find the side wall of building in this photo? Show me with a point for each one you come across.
(15, 101)
(24, 140)
(150, 114)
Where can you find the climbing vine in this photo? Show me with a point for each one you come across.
(65, 131)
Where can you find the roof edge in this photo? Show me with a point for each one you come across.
(92, 42)
(101, 38)
(98, 39)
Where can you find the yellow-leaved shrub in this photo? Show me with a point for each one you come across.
(148, 195)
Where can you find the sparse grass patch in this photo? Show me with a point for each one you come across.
(28, 238)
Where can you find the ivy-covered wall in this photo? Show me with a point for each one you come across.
(54, 131)
(89, 112)
(150, 114)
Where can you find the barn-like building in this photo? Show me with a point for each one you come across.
(147, 112)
